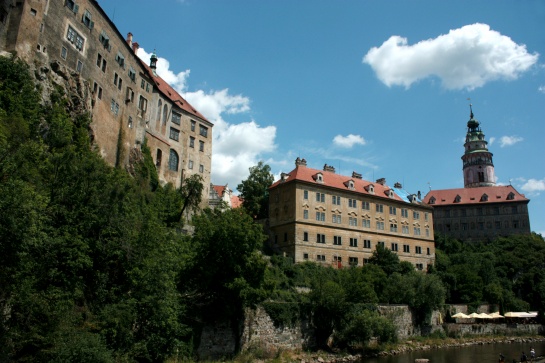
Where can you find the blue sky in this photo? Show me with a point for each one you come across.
(377, 87)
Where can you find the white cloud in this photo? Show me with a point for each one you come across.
(509, 140)
(492, 139)
(235, 147)
(348, 141)
(541, 89)
(533, 186)
(467, 57)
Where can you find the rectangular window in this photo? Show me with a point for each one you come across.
(365, 205)
(406, 248)
(427, 232)
(336, 200)
(79, 66)
(320, 197)
(320, 216)
(380, 226)
(192, 125)
(201, 145)
(404, 212)
(116, 77)
(336, 219)
(120, 59)
(379, 208)
(305, 194)
(305, 256)
(132, 75)
(191, 142)
(129, 96)
(417, 231)
(190, 164)
(418, 250)
(428, 251)
(353, 242)
(104, 39)
(426, 216)
(176, 118)
(305, 236)
(64, 52)
(337, 240)
(320, 238)
(305, 214)
(75, 38)
(114, 107)
(352, 203)
(393, 227)
(367, 243)
(99, 93)
(174, 134)
(380, 243)
(366, 223)
(416, 215)
(71, 4)
(394, 246)
(86, 19)
(203, 131)
(142, 106)
(353, 221)
(320, 258)
(353, 261)
(405, 229)
(393, 210)
(201, 168)
(419, 266)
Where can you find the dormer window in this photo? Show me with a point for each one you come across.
(319, 177)
(484, 198)
(349, 184)
(432, 200)
(457, 199)
(370, 189)
(511, 196)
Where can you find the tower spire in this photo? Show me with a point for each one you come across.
(477, 160)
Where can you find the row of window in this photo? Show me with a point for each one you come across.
(494, 211)
(173, 160)
(365, 205)
(365, 223)
(479, 225)
(353, 242)
(352, 261)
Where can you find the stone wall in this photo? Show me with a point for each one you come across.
(259, 332)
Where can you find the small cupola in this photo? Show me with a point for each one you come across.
(153, 63)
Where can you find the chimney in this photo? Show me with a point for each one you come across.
(135, 47)
(398, 185)
(301, 162)
(129, 39)
(329, 168)
(356, 175)
(381, 181)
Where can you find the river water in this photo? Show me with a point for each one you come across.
(468, 354)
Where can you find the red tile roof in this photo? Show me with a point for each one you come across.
(302, 173)
(219, 190)
(474, 195)
(236, 201)
(171, 93)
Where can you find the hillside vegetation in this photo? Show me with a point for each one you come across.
(94, 267)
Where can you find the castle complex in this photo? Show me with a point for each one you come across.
(481, 210)
(318, 215)
(75, 44)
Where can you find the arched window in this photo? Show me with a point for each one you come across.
(173, 160)
(159, 106)
(165, 112)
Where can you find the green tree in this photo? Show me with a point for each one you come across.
(254, 191)
(386, 259)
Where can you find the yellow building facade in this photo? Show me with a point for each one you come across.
(318, 215)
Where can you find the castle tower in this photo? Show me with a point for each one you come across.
(478, 167)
